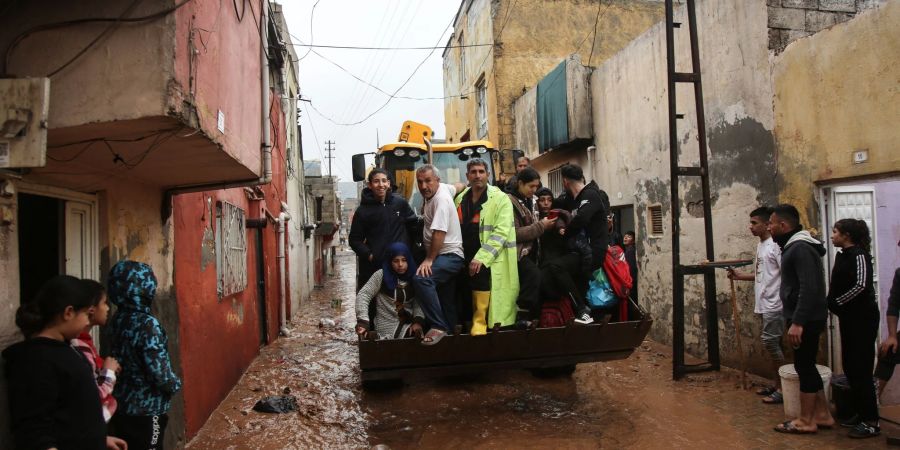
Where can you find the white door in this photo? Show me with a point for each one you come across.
(81, 253)
(846, 202)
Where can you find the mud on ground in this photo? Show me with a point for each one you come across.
(630, 403)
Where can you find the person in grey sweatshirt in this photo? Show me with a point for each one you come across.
(802, 294)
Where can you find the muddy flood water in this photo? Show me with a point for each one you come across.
(631, 403)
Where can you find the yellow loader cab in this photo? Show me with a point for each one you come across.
(401, 159)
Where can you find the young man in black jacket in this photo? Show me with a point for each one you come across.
(802, 295)
(590, 208)
(381, 219)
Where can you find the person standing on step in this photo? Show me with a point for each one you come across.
(767, 281)
(851, 297)
(489, 245)
(802, 293)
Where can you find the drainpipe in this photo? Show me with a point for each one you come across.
(281, 230)
(266, 107)
(590, 163)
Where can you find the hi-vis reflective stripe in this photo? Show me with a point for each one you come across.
(484, 228)
(493, 251)
(497, 239)
(510, 245)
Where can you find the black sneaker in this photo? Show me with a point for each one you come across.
(852, 422)
(863, 430)
(584, 318)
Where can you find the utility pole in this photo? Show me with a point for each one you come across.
(329, 147)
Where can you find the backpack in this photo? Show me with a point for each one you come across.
(556, 313)
(618, 272)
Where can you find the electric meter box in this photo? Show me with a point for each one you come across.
(24, 105)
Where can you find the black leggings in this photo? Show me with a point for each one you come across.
(559, 277)
(805, 357)
(858, 335)
(140, 432)
(529, 301)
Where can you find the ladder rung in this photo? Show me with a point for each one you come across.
(686, 77)
(690, 171)
(679, 116)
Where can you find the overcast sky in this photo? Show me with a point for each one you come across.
(340, 98)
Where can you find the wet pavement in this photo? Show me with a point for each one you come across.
(629, 403)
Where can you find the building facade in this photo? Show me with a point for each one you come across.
(499, 49)
(172, 140)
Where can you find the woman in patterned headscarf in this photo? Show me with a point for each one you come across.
(396, 313)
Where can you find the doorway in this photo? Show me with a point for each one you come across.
(57, 235)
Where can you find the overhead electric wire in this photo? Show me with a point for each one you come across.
(312, 14)
(351, 47)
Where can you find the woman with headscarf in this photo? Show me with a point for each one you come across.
(397, 315)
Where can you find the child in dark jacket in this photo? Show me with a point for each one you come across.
(852, 297)
(104, 369)
(53, 399)
(147, 382)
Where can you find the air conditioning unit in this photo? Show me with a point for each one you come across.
(24, 104)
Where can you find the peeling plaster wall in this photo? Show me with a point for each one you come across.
(835, 93)
(632, 162)
(528, 47)
(97, 87)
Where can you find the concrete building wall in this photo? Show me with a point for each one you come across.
(836, 93)
(527, 46)
(632, 160)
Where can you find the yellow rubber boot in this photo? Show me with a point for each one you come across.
(480, 302)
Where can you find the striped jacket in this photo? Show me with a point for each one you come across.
(852, 290)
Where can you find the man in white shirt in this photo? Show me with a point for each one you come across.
(767, 278)
(434, 280)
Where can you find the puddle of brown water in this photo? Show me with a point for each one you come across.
(621, 404)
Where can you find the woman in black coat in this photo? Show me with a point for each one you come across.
(381, 219)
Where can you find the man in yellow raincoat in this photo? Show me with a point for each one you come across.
(489, 244)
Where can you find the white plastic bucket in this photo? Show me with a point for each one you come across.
(790, 388)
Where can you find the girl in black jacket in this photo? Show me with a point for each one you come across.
(53, 399)
(851, 296)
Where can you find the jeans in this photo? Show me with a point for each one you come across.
(772, 331)
(805, 357)
(436, 293)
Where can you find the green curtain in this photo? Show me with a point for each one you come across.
(552, 115)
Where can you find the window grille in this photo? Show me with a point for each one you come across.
(555, 180)
(656, 220)
(231, 249)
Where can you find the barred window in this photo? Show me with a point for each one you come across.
(555, 179)
(231, 249)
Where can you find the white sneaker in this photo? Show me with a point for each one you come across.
(584, 319)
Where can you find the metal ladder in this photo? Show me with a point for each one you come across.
(680, 271)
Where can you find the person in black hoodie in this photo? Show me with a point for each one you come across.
(53, 399)
(802, 294)
(381, 219)
(590, 207)
(851, 297)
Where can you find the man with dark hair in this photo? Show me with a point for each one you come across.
(489, 248)
(512, 184)
(590, 207)
(802, 294)
(767, 278)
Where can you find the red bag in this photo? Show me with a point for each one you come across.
(618, 272)
(557, 313)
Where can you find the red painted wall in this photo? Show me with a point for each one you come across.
(220, 337)
(222, 73)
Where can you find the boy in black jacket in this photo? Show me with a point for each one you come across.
(803, 297)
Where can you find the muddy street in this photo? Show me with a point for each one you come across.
(628, 403)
